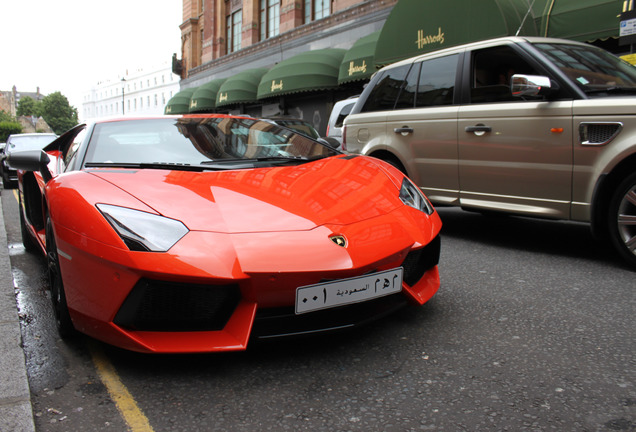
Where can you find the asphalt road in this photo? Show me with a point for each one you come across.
(532, 330)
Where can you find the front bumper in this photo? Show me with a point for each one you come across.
(204, 297)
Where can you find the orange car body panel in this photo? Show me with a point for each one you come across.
(265, 229)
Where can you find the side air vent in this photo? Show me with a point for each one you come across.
(599, 133)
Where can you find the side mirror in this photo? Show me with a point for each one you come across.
(31, 160)
(329, 142)
(531, 85)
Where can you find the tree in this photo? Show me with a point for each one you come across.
(29, 107)
(58, 113)
(8, 126)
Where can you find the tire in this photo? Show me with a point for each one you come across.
(27, 240)
(58, 296)
(622, 219)
(5, 179)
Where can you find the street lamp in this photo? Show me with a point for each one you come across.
(123, 92)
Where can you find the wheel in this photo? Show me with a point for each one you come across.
(5, 179)
(27, 240)
(60, 308)
(622, 219)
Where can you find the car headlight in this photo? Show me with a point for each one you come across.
(412, 196)
(143, 231)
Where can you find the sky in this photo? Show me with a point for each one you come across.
(71, 45)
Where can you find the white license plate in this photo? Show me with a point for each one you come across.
(346, 291)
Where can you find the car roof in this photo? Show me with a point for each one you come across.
(483, 43)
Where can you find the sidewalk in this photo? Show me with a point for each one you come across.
(16, 414)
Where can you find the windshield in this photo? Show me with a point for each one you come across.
(199, 141)
(592, 69)
(299, 126)
(30, 142)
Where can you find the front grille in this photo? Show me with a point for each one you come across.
(168, 306)
(598, 133)
(417, 262)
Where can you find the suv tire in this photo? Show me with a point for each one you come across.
(622, 218)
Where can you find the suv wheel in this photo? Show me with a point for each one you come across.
(622, 219)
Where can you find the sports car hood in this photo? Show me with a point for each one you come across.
(339, 190)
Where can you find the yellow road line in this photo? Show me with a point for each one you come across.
(132, 414)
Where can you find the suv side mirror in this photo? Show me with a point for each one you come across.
(531, 85)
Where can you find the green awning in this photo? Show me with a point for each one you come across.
(311, 70)
(359, 61)
(180, 102)
(240, 88)
(204, 98)
(580, 20)
(419, 26)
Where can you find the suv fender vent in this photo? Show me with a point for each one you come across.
(599, 133)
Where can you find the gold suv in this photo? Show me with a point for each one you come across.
(530, 126)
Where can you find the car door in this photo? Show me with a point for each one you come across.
(515, 155)
(422, 128)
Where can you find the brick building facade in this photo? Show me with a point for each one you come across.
(221, 38)
(9, 99)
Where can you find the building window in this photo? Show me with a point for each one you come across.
(270, 18)
(234, 23)
(317, 9)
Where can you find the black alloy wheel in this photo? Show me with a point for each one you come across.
(62, 318)
(622, 219)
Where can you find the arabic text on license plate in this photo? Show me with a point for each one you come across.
(345, 291)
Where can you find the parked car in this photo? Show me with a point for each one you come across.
(528, 126)
(340, 111)
(194, 233)
(19, 142)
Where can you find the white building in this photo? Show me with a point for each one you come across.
(141, 93)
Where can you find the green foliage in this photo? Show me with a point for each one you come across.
(5, 116)
(7, 128)
(58, 113)
(29, 107)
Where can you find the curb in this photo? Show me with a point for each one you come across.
(16, 412)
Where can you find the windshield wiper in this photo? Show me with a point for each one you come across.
(613, 89)
(252, 160)
(148, 165)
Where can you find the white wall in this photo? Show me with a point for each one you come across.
(145, 93)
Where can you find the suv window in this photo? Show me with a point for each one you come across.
(406, 98)
(437, 81)
(491, 72)
(593, 70)
(346, 110)
(427, 83)
(383, 95)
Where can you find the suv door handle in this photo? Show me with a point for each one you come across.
(403, 130)
(478, 128)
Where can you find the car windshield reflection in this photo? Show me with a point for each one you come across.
(197, 141)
